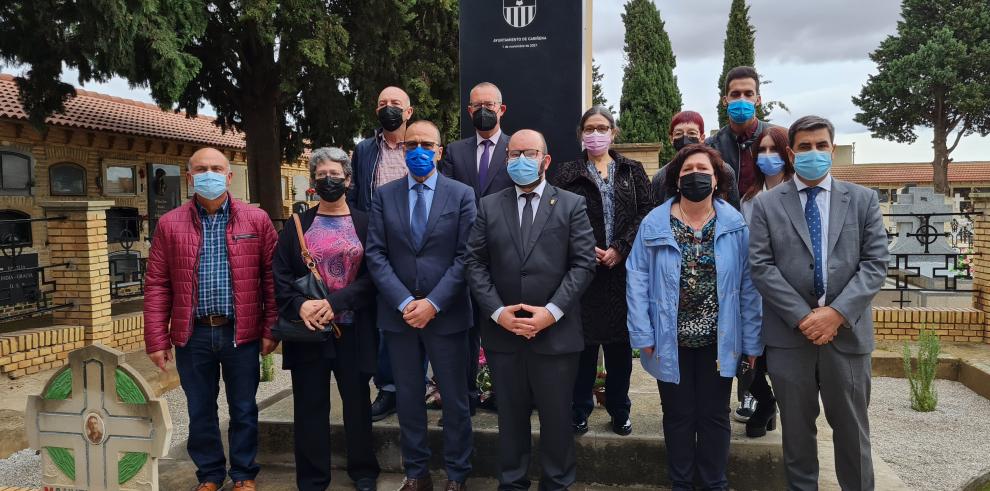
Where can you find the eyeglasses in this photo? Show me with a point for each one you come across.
(691, 133)
(324, 175)
(411, 145)
(601, 130)
(491, 106)
(531, 153)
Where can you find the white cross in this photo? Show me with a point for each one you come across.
(95, 425)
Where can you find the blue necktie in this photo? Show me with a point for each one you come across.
(486, 157)
(419, 215)
(814, 219)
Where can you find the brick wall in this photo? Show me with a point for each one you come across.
(30, 351)
(981, 261)
(128, 333)
(951, 324)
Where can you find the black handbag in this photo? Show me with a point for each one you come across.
(311, 286)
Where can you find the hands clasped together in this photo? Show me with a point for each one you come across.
(821, 325)
(527, 327)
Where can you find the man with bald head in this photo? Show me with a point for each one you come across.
(417, 242)
(379, 160)
(209, 292)
(531, 255)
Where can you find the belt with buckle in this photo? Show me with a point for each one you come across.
(213, 320)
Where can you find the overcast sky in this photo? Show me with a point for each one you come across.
(815, 54)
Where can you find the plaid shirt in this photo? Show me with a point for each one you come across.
(391, 163)
(215, 294)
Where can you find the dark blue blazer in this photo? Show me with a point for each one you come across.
(436, 269)
(460, 163)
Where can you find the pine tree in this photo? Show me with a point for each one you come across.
(650, 97)
(738, 51)
(934, 72)
(597, 91)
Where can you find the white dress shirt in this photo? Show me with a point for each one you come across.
(480, 149)
(535, 204)
(823, 199)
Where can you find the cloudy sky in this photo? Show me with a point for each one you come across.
(815, 54)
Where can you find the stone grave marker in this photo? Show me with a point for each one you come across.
(98, 425)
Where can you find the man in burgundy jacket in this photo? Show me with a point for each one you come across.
(209, 293)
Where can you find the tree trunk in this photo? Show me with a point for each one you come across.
(940, 165)
(264, 156)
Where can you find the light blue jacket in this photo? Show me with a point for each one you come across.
(653, 289)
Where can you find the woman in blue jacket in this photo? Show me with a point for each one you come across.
(694, 313)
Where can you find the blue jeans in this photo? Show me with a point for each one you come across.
(209, 353)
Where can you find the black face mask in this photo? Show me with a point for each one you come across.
(484, 119)
(696, 186)
(330, 189)
(390, 117)
(684, 141)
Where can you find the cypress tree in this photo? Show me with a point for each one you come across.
(738, 51)
(597, 91)
(650, 96)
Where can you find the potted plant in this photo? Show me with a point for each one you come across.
(599, 388)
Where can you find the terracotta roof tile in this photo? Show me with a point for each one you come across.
(878, 174)
(101, 112)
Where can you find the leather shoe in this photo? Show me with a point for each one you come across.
(580, 426)
(384, 405)
(421, 484)
(207, 486)
(247, 485)
(622, 429)
(455, 486)
(764, 419)
(366, 484)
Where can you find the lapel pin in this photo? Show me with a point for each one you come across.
(553, 201)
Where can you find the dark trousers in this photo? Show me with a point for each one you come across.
(384, 379)
(209, 354)
(618, 369)
(311, 423)
(696, 421)
(760, 388)
(522, 379)
(407, 350)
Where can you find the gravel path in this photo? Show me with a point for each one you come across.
(940, 450)
(22, 468)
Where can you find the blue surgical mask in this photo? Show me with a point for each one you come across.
(523, 170)
(741, 110)
(770, 164)
(420, 161)
(812, 165)
(210, 185)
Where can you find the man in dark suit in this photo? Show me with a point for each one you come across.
(818, 267)
(479, 162)
(531, 256)
(417, 243)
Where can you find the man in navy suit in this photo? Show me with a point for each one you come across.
(479, 162)
(417, 244)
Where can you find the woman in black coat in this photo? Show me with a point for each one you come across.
(618, 196)
(335, 236)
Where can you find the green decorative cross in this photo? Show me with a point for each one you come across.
(98, 424)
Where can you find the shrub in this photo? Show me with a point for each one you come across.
(921, 378)
(268, 368)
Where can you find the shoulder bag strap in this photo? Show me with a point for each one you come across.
(307, 257)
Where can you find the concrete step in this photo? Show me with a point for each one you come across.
(180, 475)
(603, 457)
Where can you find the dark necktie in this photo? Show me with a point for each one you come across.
(527, 218)
(813, 216)
(419, 215)
(486, 157)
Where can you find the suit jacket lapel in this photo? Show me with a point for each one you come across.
(402, 204)
(440, 198)
(497, 162)
(792, 203)
(510, 209)
(547, 202)
(470, 158)
(838, 204)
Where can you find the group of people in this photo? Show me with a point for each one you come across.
(743, 257)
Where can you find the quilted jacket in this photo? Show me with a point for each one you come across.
(171, 283)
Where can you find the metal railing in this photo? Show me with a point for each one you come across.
(23, 282)
(127, 267)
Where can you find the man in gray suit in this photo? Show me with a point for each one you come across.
(818, 255)
(531, 254)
